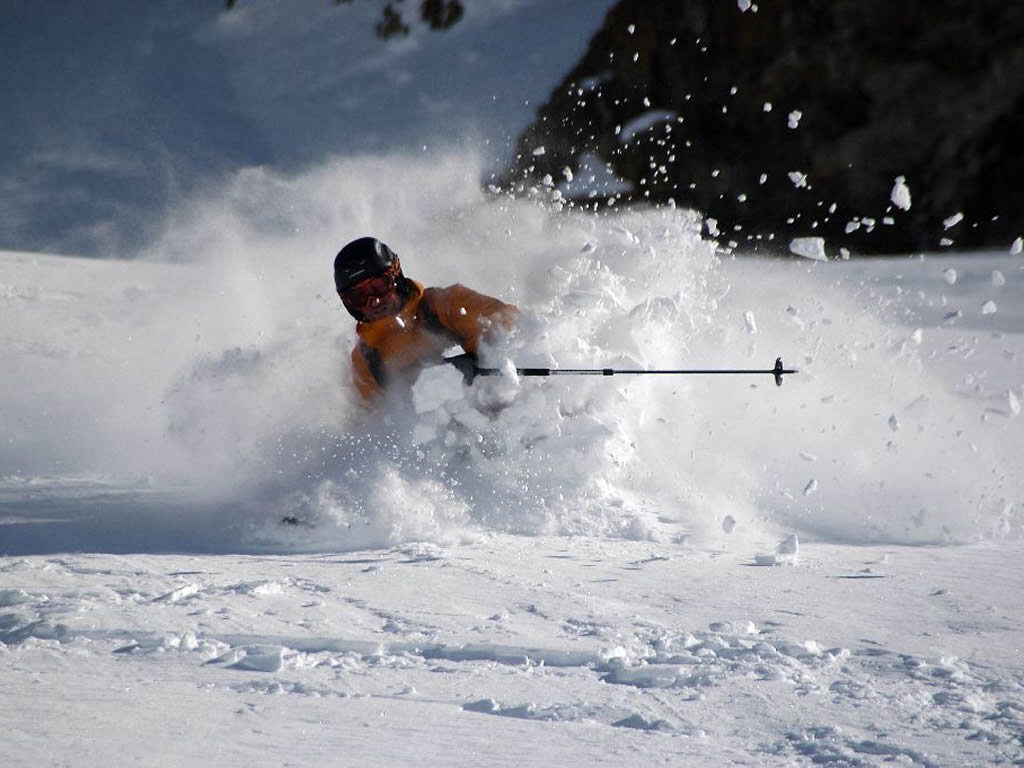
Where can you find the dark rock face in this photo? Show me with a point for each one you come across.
(697, 101)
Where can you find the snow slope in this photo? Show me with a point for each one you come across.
(620, 571)
(514, 651)
(572, 577)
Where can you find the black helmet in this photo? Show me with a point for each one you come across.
(360, 259)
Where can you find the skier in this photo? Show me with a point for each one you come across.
(403, 326)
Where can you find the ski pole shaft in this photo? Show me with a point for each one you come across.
(778, 371)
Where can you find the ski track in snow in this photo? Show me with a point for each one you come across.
(541, 631)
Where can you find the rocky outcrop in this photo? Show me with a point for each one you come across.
(797, 118)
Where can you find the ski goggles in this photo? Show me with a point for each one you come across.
(374, 287)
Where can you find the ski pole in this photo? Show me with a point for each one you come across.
(466, 365)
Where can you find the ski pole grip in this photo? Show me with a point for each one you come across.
(466, 365)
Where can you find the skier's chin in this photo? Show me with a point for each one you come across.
(381, 312)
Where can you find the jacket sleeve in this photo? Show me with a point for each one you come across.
(470, 316)
(362, 373)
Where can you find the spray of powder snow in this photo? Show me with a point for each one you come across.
(247, 355)
(529, 457)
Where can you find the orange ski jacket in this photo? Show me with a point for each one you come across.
(431, 320)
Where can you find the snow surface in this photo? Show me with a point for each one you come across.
(618, 571)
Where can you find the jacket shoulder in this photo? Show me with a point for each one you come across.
(437, 295)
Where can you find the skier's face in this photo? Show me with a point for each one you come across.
(383, 306)
(374, 298)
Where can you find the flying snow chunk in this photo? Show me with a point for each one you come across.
(917, 336)
(998, 279)
(811, 487)
(644, 122)
(809, 248)
(989, 308)
(799, 179)
(1017, 247)
(729, 524)
(900, 194)
(744, 5)
(538, 151)
(793, 121)
(894, 423)
(750, 322)
(950, 276)
(567, 173)
(1013, 402)
(953, 220)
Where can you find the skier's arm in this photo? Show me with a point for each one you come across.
(363, 376)
(470, 316)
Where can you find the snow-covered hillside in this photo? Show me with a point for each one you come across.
(621, 571)
(119, 111)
